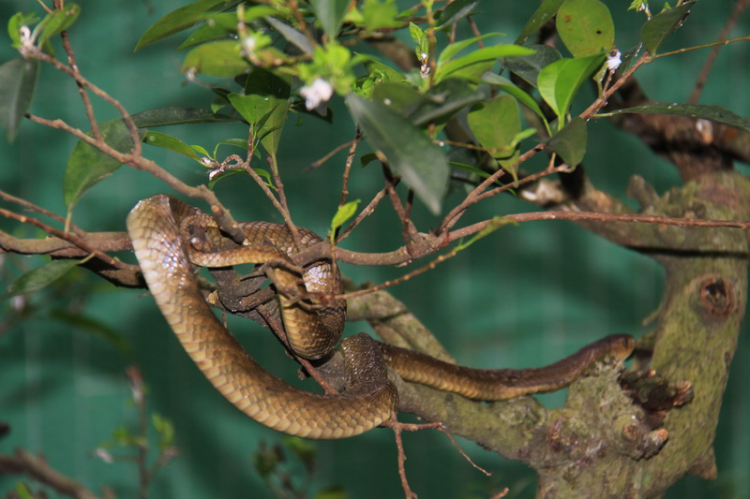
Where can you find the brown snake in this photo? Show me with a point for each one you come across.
(160, 229)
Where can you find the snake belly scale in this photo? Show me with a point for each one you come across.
(370, 399)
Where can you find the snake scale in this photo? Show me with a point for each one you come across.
(159, 228)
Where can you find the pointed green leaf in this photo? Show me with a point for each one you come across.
(223, 59)
(543, 13)
(330, 14)
(17, 83)
(454, 48)
(421, 164)
(87, 165)
(58, 20)
(171, 143)
(164, 116)
(570, 142)
(344, 213)
(293, 36)
(586, 27)
(659, 27)
(559, 82)
(39, 278)
(483, 55)
(165, 428)
(176, 21)
(698, 111)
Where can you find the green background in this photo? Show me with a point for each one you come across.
(523, 297)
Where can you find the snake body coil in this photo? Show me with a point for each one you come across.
(164, 255)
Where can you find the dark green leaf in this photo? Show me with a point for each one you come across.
(699, 111)
(444, 100)
(570, 142)
(223, 58)
(528, 67)
(163, 116)
(293, 36)
(543, 13)
(330, 14)
(176, 21)
(454, 12)
(586, 27)
(560, 81)
(171, 143)
(411, 154)
(17, 83)
(87, 165)
(92, 326)
(659, 27)
(39, 278)
(58, 20)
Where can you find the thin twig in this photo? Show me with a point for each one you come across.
(71, 238)
(739, 8)
(31, 206)
(367, 211)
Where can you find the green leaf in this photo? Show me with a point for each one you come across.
(493, 225)
(560, 81)
(23, 491)
(659, 27)
(212, 30)
(265, 106)
(586, 27)
(421, 164)
(454, 12)
(57, 21)
(18, 20)
(454, 48)
(92, 326)
(344, 213)
(528, 67)
(164, 116)
(87, 165)
(486, 54)
(570, 142)
(330, 14)
(176, 21)
(223, 59)
(523, 97)
(293, 36)
(171, 143)
(17, 83)
(165, 428)
(39, 278)
(496, 123)
(380, 15)
(698, 111)
(543, 13)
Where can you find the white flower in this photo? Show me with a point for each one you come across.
(317, 95)
(248, 43)
(614, 60)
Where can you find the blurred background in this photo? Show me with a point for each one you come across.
(524, 297)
